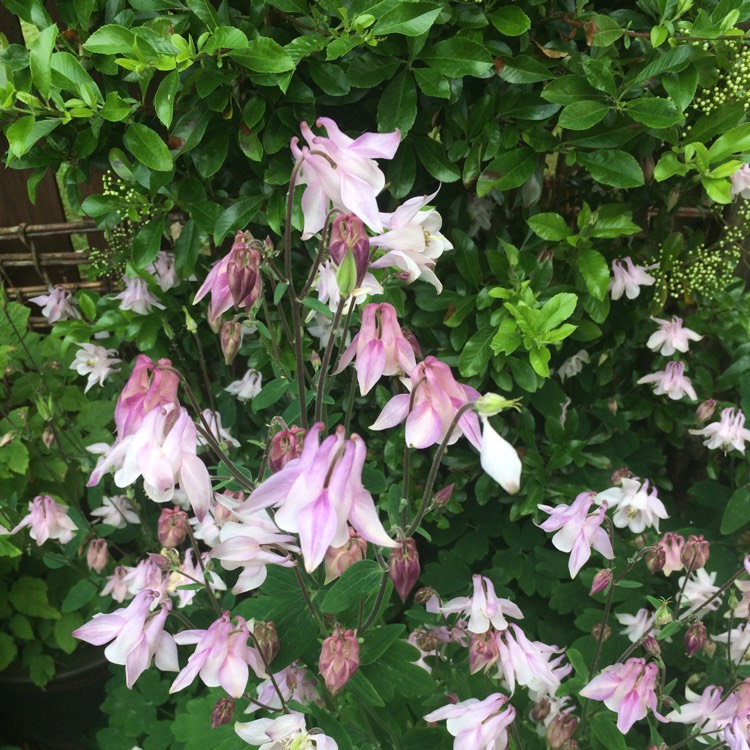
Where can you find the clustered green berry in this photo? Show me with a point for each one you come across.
(732, 86)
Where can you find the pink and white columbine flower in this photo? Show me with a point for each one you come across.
(578, 531)
(699, 589)
(190, 573)
(573, 365)
(637, 625)
(117, 585)
(287, 732)
(48, 520)
(484, 608)
(728, 433)
(147, 575)
(672, 545)
(327, 287)
(379, 347)
(629, 689)
(635, 507)
(96, 362)
(500, 459)
(164, 271)
(738, 640)
(319, 492)
(295, 682)
(341, 172)
(116, 511)
(218, 431)
(477, 725)
(741, 182)
(137, 296)
(137, 636)
(57, 305)
(671, 337)
(437, 398)
(628, 279)
(413, 241)
(247, 388)
(671, 381)
(221, 657)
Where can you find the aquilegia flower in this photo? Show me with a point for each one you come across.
(163, 269)
(741, 182)
(484, 608)
(96, 362)
(116, 511)
(636, 507)
(671, 381)
(48, 520)
(500, 459)
(671, 337)
(573, 365)
(137, 296)
(287, 732)
(627, 279)
(247, 388)
(57, 305)
(340, 171)
(729, 432)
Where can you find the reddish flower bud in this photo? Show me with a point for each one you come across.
(656, 559)
(412, 339)
(172, 527)
(483, 651)
(339, 559)
(695, 638)
(48, 436)
(651, 646)
(404, 567)
(601, 581)
(705, 411)
(560, 729)
(285, 445)
(339, 659)
(619, 474)
(348, 235)
(97, 555)
(695, 552)
(231, 340)
(597, 629)
(268, 640)
(540, 711)
(223, 712)
(243, 271)
(443, 497)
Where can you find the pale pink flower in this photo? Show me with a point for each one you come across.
(221, 657)
(628, 279)
(220, 433)
(96, 362)
(164, 270)
(340, 559)
(629, 689)
(97, 555)
(247, 388)
(319, 492)
(137, 636)
(287, 732)
(117, 585)
(57, 305)
(327, 287)
(413, 241)
(477, 725)
(573, 365)
(671, 381)
(637, 625)
(741, 182)
(137, 296)
(672, 545)
(671, 337)
(295, 682)
(736, 734)
(379, 347)
(147, 575)
(339, 659)
(635, 507)
(341, 172)
(436, 400)
(729, 432)
(116, 511)
(578, 531)
(500, 459)
(190, 574)
(699, 710)
(739, 643)
(48, 520)
(699, 589)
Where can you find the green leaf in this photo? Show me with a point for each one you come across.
(363, 689)
(668, 166)
(734, 141)
(719, 189)
(525, 69)
(8, 650)
(368, 70)
(146, 145)
(237, 216)
(377, 642)
(605, 730)
(507, 339)
(40, 57)
(398, 104)
(270, 394)
(114, 108)
(477, 352)
(549, 226)
(21, 628)
(41, 669)
(582, 115)
(654, 112)
(567, 90)
(459, 57)
(613, 167)
(432, 82)
(539, 357)
(557, 309)
(432, 155)
(29, 596)
(737, 512)
(205, 12)
(578, 663)
(63, 629)
(395, 674)
(681, 86)
(225, 37)
(607, 32)
(111, 40)
(26, 131)
(408, 19)
(358, 582)
(595, 272)
(147, 243)
(510, 21)
(669, 61)
(507, 171)
(187, 249)
(164, 98)
(599, 75)
(263, 55)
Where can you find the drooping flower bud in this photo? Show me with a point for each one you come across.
(442, 497)
(601, 581)
(223, 712)
(619, 474)
(350, 251)
(651, 646)
(426, 640)
(540, 711)
(597, 630)
(705, 411)
(172, 527)
(243, 271)
(612, 406)
(404, 567)
(339, 559)
(570, 744)
(285, 445)
(695, 552)
(412, 339)
(97, 555)
(560, 729)
(424, 595)
(655, 559)
(231, 340)
(483, 651)
(268, 640)
(48, 436)
(339, 659)
(695, 638)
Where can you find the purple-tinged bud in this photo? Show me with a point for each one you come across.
(48, 436)
(651, 646)
(483, 651)
(339, 559)
(350, 251)
(705, 411)
(442, 497)
(231, 340)
(695, 553)
(162, 561)
(172, 527)
(424, 595)
(612, 406)
(560, 729)
(619, 474)
(243, 271)
(339, 659)
(540, 711)
(223, 712)
(601, 581)
(655, 559)
(412, 339)
(695, 638)
(403, 564)
(315, 361)
(268, 641)
(97, 555)
(285, 445)
(597, 629)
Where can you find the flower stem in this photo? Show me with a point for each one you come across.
(303, 588)
(327, 361)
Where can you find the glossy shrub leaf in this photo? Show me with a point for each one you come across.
(146, 145)
(613, 167)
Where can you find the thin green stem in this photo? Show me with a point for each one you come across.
(209, 591)
(376, 606)
(323, 374)
(303, 588)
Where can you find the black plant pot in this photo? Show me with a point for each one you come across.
(60, 715)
